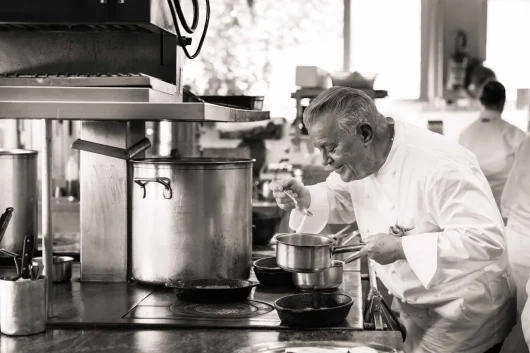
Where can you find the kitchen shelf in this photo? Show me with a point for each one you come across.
(127, 111)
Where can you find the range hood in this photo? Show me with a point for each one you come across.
(87, 15)
(107, 98)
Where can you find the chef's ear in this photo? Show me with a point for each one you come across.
(367, 134)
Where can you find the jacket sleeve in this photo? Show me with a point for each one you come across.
(330, 203)
(459, 202)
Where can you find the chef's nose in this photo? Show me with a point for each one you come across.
(326, 159)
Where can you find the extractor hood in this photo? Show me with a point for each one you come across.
(87, 15)
(106, 97)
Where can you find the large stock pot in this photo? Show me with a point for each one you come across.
(191, 219)
(18, 189)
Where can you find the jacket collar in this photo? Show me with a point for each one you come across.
(488, 115)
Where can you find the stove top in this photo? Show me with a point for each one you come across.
(163, 309)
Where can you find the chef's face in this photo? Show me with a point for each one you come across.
(350, 155)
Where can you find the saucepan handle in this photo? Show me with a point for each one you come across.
(352, 258)
(346, 248)
(168, 192)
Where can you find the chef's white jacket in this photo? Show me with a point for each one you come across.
(515, 205)
(494, 142)
(453, 289)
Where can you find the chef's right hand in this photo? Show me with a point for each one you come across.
(300, 191)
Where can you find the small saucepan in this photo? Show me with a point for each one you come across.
(325, 280)
(308, 253)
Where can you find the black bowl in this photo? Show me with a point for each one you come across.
(313, 309)
(269, 273)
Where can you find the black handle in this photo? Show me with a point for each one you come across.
(460, 41)
(4, 221)
(168, 192)
(27, 256)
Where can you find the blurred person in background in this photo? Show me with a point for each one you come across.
(493, 140)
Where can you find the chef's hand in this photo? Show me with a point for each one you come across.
(383, 248)
(300, 191)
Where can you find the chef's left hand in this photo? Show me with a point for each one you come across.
(383, 248)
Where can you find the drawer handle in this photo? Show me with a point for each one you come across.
(168, 192)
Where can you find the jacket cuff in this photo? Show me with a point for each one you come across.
(320, 209)
(421, 251)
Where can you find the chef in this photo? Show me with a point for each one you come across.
(493, 140)
(515, 205)
(448, 271)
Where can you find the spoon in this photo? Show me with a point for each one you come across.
(302, 210)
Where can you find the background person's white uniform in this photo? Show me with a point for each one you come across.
(515, 205)
(453, 288)
(494, 142)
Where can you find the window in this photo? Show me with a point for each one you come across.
(386, 40)
(253, 48)
(507, 50)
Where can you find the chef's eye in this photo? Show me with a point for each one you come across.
(333, 150)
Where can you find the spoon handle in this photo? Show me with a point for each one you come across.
(301, 226)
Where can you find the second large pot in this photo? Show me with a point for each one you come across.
(191, 219)
(18, 189)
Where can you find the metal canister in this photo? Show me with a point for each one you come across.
(191, 219)
(23, 306)
(18, 187)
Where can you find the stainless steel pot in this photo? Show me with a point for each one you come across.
(327, 279)
(307, 253)
(18, 189)
(191, 219)
(61, 268)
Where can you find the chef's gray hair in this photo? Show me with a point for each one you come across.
(350, 107)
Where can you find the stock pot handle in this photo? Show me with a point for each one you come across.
(168, 192)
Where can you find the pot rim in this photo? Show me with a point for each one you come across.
(192, 160)
(17, 153)
(278, 306)
(56, 259)
(285, 235)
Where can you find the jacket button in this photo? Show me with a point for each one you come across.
(390, 293)
(367, 196)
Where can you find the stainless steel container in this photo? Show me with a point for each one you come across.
(328, 279)
(23, 306)
(61, 268)
(308, 253)
(18, 189)
(191, 218)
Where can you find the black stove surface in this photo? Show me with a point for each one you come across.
(161, 307)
